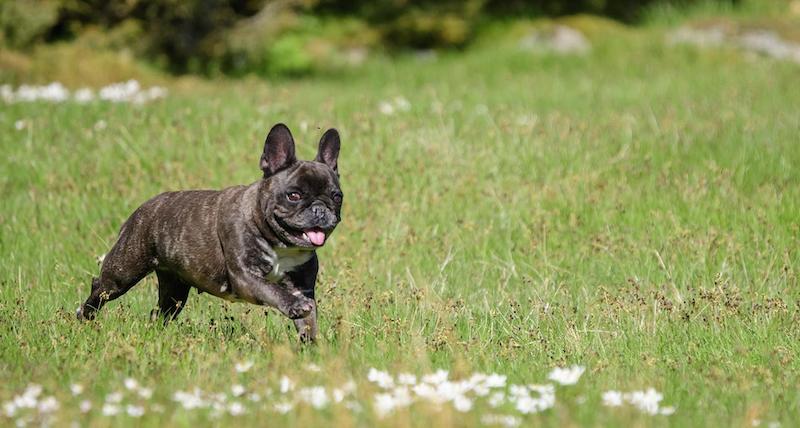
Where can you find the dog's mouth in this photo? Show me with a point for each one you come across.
(303, 237)
(315, 236)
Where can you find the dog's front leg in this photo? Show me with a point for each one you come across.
(303, 280)
(307, 327)
(287, 300)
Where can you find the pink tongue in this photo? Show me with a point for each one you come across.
(316, 237)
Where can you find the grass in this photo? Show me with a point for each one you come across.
(634, 210)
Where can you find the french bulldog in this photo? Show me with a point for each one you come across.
(253, 243)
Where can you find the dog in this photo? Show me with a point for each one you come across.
(254, 243)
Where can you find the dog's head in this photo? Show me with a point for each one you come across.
(304, 201)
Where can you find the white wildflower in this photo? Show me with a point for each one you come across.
(130, 384)
(244, 366)
(54, 92)
(237, 390)
(669, 410)
(315, 396)
(76, 389)
(497, 399)
(386, 108)
(284, 407)
(48, 405)
(462, 403)
(120, 92)
(10, 409)
(145, 393)
(436, 378)
(20, 125)
(353, 406)
(526, 404)
(286, 385)
(110, 409)
(612, 398)
(27, 400)
(236, 408)
(85, 406)
(402, 396)
(646, 401)
(33, 390)
(83, 95)
(135, 411)
(380, 378)
(566, 376)
(189, 400)
(406, 379)
(534, 405)
(384, 404)
(518, 390)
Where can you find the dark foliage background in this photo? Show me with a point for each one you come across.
(262, 35)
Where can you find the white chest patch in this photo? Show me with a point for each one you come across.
(286, 260)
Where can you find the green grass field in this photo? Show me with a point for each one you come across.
(634, 210)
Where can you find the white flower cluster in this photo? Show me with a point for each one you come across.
(30, 399)
(131, 403)
(394, 392)
(648, 401)
(437, 389)
(286, 398)
(390, 107)
(123, 92)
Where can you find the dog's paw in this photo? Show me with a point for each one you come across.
(82, 315)
(300, 308)
(307, 336)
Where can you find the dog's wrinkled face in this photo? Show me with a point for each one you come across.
(305, 201)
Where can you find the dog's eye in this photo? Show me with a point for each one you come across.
(294, 196)
(337, 197)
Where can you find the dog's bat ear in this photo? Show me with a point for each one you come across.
(329, 149)
(278, 150)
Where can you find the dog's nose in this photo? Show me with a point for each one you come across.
(318, 210)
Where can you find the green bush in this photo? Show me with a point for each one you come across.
(297, 45)
(413, 23)
(24, 22)
(274, 36)
(288, 56)
(183, 35)
(624, 10)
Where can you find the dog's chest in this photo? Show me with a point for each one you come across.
(287, 260)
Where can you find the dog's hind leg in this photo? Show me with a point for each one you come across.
(172, 295)
(126, 264)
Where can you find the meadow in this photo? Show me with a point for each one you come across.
(633, 210)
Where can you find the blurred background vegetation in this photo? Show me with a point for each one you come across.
(261, 37)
